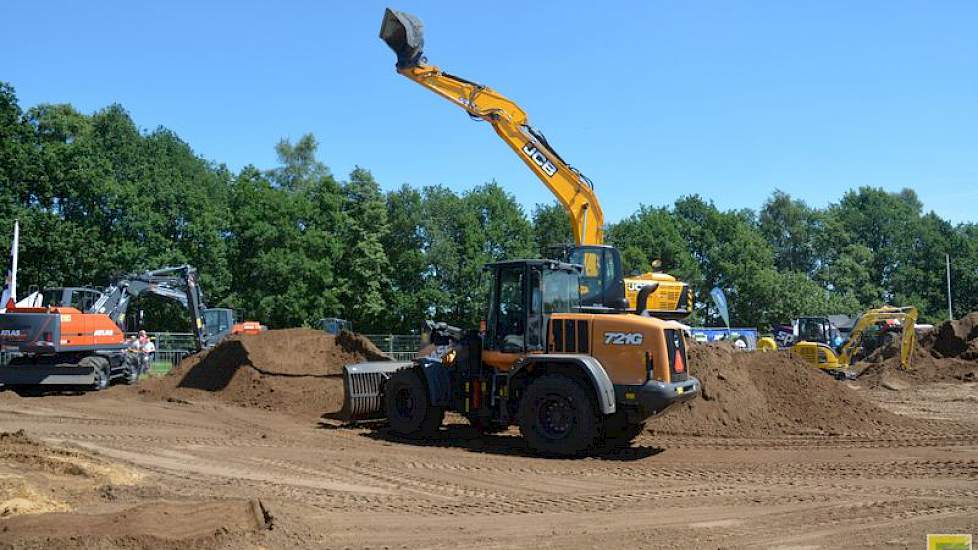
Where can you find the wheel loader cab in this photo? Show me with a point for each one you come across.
(524, 294)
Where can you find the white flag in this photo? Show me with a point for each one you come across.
(10, 280)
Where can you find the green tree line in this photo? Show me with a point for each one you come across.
(97, 197)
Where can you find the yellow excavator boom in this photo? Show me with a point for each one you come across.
(575, 192)
(572, 189)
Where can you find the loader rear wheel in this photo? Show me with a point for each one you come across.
(557, 416)
(100, 366)
(409, 410)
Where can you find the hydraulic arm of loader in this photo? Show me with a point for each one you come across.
(403, 33)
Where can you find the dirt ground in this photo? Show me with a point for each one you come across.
(870, 467)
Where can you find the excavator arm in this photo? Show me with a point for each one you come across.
(574, 191)
(603, 283)
(174, 283)
(907, 316)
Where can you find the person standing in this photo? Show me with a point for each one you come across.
(146, 350)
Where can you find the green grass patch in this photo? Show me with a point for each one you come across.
(159, 368)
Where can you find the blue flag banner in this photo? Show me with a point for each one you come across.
(720, 299)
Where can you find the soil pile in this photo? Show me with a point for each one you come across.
(296, 371)
(210, 524)
(57, 497)
(949, 353)
(882, 368)
(957, 338)
(36, 478)
(770, 394)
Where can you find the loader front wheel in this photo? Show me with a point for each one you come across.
(409, 410)
(557, 416)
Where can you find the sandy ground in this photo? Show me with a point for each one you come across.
(201, 467)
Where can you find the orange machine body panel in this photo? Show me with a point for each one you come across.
(626, 345)
(58, 329)
(87, 329)
(633, 349)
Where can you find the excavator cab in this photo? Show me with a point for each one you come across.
(602, 281)
(218, 322)
(80, 298)
(816, 329)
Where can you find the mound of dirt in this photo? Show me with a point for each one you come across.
(295, 371)
(770, 394)
(37, 478)
(882, 368)
(957, 338)
(949, 353)
(149, 525)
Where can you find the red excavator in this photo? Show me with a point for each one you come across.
(75, 337)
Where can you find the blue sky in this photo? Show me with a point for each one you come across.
(651, 100)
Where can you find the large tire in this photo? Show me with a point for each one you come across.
(99, 365)
(131, 366)
(409, 410)
(558, 416)
(618, 432)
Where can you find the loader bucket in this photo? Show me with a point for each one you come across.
(404, 33)
(362, 384)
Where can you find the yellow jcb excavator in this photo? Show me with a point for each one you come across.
(874, 329)
(670, 298)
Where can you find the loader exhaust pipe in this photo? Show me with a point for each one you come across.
(403, 33)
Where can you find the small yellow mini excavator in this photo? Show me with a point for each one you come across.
(876, 328)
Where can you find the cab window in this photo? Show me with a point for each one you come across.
(596, 275)
(561, 292)
(510, 310)
(82, 300)
(534, 332)
(216, 321)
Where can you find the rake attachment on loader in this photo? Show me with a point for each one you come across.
(362, 397)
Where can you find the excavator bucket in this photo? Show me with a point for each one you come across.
(362, 385)
(404, 33)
